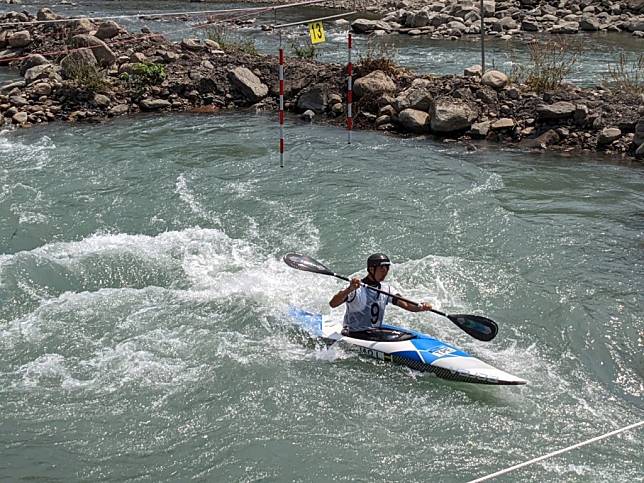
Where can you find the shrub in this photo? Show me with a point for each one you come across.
(549, 64)
(626, 76)
(379, 55)
(303, 50)
(86, 75)
(231, 43)
(144, 75)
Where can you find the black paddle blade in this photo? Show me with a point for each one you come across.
(480, 328)
(303, 262)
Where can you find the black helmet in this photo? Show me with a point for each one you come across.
(378, 260)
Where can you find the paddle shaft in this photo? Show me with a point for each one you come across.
(341, 277)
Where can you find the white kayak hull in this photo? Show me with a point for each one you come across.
(415, 349)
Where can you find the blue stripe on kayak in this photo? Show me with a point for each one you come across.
(309, 321)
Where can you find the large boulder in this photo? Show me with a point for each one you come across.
(364, 26)
(556, 111)
(154, 104)
(45, 14)
(375, 83)
(495, 79)
(414, 120)
(32, 61)
(43, 71)
(108, 30)
(248, 84)
(19, 39)
(77, 60)
(419, 98)
(314, 98)
(608, 135)
(104, 55)
(565, 28)
(638, 140)
(452, 115)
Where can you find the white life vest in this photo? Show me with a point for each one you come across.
(365, 308)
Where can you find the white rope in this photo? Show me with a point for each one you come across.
(555, 453)
(163, 14)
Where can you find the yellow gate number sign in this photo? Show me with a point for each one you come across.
(316, 31)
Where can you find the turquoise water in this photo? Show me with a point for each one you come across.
(144, 335)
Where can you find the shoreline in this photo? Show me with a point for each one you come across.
(92, 72)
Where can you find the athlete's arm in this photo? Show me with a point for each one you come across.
(341, 297)
(422, 307)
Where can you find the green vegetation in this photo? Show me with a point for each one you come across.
(143, 75)
(303, 50)
(626, 76)
(86, 75)
(230, 43)
(379, 55)
(550, 62)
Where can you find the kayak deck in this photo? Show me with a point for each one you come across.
(419, 351)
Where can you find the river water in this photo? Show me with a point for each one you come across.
(144, 335)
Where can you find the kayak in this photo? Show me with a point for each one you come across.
(410, 348)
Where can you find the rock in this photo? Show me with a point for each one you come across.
(565, 28)
(248, 84)
(495, 79)
(417, 98)
(42, 89)
(480, 129)
(45, 14)
(503, 123)
(473, 71)
(104, 55)
(546, 139)
(154, 104)
(12, 85)
(77, 59)
(19, 39)
(556, 111)
(211, 44)
(608, 135)
(581, 114)
(313, 98)
(102, 100)
(639, 152)
(119, 110)
(18, 101)
(451, 115)
(193, 45)
(40, 72)
(337, 109)
(83, 26)
(108, 30)
(414, 120)
(32, 61)
(364, 26)
(639, 132)
(589, 23)
(20, 117)
(308, 115)
(529, 25)
(375, 83)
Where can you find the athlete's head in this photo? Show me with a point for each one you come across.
(378, 266)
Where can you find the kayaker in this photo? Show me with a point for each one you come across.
(365, 308)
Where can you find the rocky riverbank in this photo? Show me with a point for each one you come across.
(86, 71)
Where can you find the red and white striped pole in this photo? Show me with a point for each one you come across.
(281, 111)
(349, 91)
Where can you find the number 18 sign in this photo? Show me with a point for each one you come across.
(316, 31)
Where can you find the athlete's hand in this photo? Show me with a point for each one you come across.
(424, 307)
(354, 284)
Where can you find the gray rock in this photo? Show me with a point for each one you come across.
(20, 117)
(374, 83)
(639, 152)
(546, 139)
(503, 123)
(608, 135)
(19, 39)
(494, 79)
(108, 29)
(414, 120)
(565, 28)
(32, 61)
(40, 72)
(473, 71)
(308, 115)
(154, 104)
(102, 100)
(101, 51)
(480, 129)
(364, 26)
(589, 23)
(77, 59)
(556, 111)
(193, 45)
(451, 115)
(639, 132)
(42, 89)
(314, 98)
(46, 14)
(248, 84)
(119, 110)
(417, 98)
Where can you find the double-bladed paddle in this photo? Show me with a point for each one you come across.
(480, 328)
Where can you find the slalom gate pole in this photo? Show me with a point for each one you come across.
(281, 109)
(349, 90)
